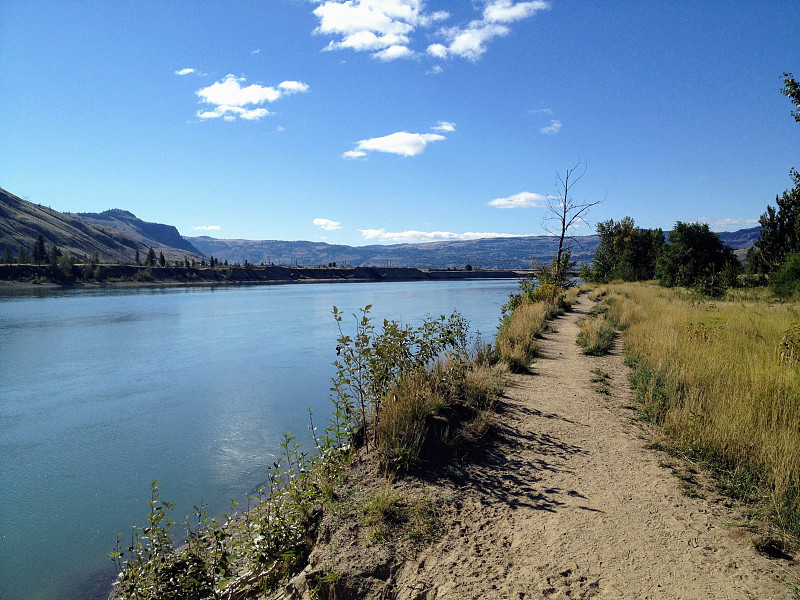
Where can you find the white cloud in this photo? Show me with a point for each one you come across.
(327, 224)
(293, 87)
(416, 237)
(506, 11)
(552, 129)
(379, 26)
(232, 98)
(470, 41)
(445, 126)
(727, 224)
(186, 71)
(521, 200)
(393, 53)
(256, 51)
(434, 70)
(386, 27)
(402, 143)
(207, 227)
(437, 50)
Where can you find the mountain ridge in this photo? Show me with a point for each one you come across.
(115, 235)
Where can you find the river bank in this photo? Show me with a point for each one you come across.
(134, 275)
(565, 498)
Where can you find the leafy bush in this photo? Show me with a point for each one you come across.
(785, 282)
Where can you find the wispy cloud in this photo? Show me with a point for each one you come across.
(727, 224)
(445, 127)
(552, 129)
(401, 143)
(232, 99)
(521, 200)
(385, 28)
(186, 71)
(416, 237)
(470, 41)
(207, 227)
(327, 224)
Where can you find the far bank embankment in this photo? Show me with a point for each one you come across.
(234, 275)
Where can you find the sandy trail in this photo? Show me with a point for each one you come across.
(569, 503)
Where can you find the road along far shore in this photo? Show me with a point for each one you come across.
(567, 501)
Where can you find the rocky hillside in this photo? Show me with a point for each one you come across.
(150, 234)
(114, 236)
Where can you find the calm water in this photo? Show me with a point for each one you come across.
(101, 392)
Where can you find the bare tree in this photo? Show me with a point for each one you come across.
(564, 213)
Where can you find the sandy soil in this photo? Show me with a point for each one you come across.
(566, 502)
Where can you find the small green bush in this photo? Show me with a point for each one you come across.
(785, 282)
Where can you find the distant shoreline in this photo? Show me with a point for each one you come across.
(87, 276)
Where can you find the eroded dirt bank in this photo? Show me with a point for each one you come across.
(566, 501)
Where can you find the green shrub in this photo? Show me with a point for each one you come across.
(785, 282)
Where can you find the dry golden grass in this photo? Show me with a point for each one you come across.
(596, 335)
(710, 373)
(401, 427)
(484, 384)
(516, 340)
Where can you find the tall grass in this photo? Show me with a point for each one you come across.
(596, 335)
(516, 342)
(710, 373)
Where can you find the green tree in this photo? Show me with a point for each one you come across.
(39, 250)
(8, 257)
(22, 256)
(162, 262)
(63, 268)
(54, 254)
(137, 259)
(780, 230)
(151, 258)
(696, 257)
(791, 89)
(626, 252)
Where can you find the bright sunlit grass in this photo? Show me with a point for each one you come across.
(710, 373)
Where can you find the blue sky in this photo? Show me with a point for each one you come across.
(383, 121)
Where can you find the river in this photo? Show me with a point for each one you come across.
(103, 391)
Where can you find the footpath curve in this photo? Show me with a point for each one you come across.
(570, 503)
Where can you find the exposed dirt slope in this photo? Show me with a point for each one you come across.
(567, 502)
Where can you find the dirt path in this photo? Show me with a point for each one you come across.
(569, 503)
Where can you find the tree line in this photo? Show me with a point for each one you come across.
(693, 256)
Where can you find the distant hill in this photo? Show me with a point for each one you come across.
(742, 239)
(493, 253)
(114, 238)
